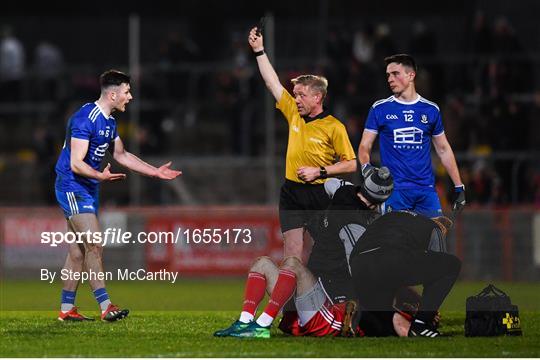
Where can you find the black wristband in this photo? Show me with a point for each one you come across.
(259, 53)
(323, 173)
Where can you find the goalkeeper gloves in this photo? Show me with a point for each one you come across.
(367, 169)
(459, 199)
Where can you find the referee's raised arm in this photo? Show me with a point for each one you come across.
(267, 71)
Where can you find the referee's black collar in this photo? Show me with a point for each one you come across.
(322, 115)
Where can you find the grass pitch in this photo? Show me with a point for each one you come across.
(177, 320)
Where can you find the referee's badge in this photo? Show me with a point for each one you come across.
(325, 221)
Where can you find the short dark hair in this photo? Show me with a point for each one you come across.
(403, 59)
(113, 78)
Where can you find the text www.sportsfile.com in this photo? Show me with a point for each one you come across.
(181, 235)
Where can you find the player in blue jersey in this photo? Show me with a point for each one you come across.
(407, 124)
(91, 132)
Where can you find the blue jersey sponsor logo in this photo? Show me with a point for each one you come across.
(408, 135)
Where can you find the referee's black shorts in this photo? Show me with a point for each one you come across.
(300, 203)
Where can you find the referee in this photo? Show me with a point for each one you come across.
(316, 140)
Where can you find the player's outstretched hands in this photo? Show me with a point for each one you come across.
(255, 41)
(166, 173)
(107, 175)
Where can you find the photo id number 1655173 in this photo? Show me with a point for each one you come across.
(216, 236)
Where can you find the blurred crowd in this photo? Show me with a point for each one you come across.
(487, 93)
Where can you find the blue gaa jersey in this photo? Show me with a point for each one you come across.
(405, 130)
(88, 123)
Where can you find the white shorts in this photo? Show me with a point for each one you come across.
(310, 303)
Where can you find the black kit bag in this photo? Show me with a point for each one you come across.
(491, 313)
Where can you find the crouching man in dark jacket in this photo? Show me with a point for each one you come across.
(400, 249)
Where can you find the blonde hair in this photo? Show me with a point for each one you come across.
(315, 82)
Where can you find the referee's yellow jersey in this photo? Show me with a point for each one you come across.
(315, 143)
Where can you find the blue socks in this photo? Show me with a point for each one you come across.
(102, 298)
(68, 300)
